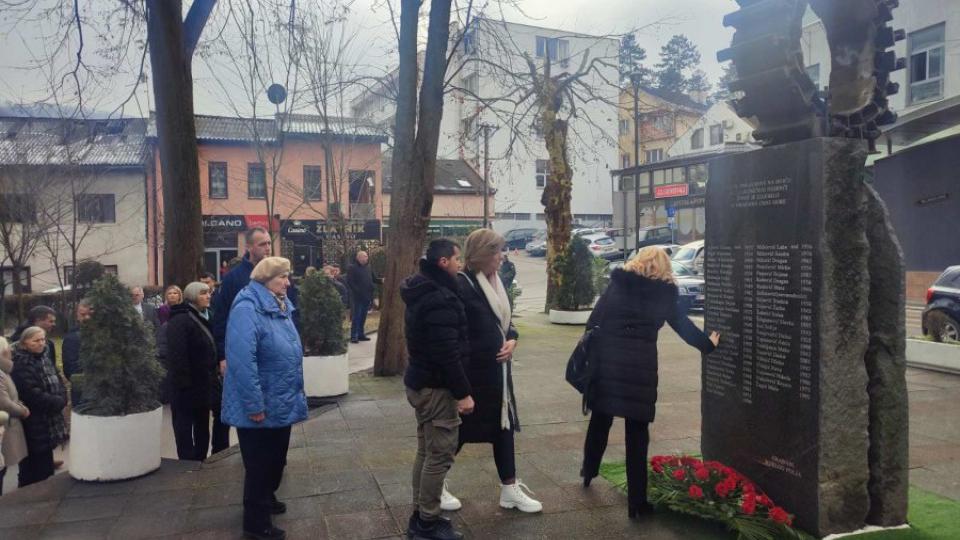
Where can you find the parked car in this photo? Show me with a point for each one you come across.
(691, 255)
(943, 304)
(518, 238)
(537, 247)
(648, 236)
(600, 245)
(690, 286)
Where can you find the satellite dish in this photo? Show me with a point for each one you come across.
(277, 94)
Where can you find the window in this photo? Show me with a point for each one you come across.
(626, 183)
(814, 73)
(6, 276)
(624, 161)
(256, 181)
(469, 128)
(96, 208)
(716, 134)
(659, 177)
(471, 84)
(18, 208)
(217, 172)
(644, 183)
(311, 183)
(554, 48)
(654, 156)
(696, 140)
(543, 172)
(68, 272)
(512, 216)
(926, 64)
(663, 123)
(624, 126)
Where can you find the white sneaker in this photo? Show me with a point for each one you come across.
(513, 496)
(447, 501)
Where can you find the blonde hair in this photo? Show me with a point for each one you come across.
(651, 262)
(481, 246)
(173, 288)
(4, 344)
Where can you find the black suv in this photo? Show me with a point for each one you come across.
(943, 306)
(518, 238)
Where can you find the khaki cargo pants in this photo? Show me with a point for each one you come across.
(438, 425)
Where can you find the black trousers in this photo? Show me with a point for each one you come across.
(36, 467)
(264, 452)
(191, 426)
(220, 439)
(638, 439)
(504, 455)
(3, 472)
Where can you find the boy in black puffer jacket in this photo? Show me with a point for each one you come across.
(437, 386)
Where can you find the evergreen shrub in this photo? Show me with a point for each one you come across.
(576, 290)
(321, 316)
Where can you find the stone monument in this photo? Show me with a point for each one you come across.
(806, 394)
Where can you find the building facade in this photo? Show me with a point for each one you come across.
(74, 190)
(276, 173)
(489, 61)
(664, 117)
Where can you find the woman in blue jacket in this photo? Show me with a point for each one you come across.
(263, 389)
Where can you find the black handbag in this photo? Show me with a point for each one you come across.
(582, 366)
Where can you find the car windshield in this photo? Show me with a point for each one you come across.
(685, 254)
(681, 270)
(541, 234)
(605, 241)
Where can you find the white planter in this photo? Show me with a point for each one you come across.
(932, 355)
(326, 376)
(104, 448)
(569, 317)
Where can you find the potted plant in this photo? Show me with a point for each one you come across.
(577, 289)
(326, 370)
(116, 431)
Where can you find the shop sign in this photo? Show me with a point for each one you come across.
(671, 190)
(218, 224)
(357, 229)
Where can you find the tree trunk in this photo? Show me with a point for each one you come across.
(413, 169)
(171, 50)
(556, 197)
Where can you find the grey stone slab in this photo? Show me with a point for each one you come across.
(86, 508)
(304, 529)
(18, 514)
(99, 489)
(78, 530)
(22, 533)
(362, 525)
(53, 488)
(219, 495)
(217, 518)
(154, 525)
(160, 502)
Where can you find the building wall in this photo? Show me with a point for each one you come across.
(652, 137)
(122, 243)
(919, 186)
(458, 206)
(735, 130)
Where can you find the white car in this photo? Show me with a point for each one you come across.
(691, 255)
(600, 245)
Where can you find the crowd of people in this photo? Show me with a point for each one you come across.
(234, 358)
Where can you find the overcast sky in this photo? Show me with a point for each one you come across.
(699, 20)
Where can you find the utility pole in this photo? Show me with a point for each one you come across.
(635, 79)
(486, 173)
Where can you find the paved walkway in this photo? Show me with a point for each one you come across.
(349, 466)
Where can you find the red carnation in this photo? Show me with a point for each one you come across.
(780, 515)
(702, 473)
(765, 501)
(748, 487)
(749, 505)
(657, 468)
(730, 482)
(689, 461)
(695, 492)
(722, 489)
(679, 474)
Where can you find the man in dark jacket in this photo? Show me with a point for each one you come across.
(437, 386)
(360, 283)
(71, 348)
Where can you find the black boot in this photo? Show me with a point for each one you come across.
(636, 511)
(439, 529)
(586, 478)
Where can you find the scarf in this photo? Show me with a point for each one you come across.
(496, 296)
(53, 385)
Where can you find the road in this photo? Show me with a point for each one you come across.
(532, 277)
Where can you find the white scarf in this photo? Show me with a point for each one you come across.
(497, 298)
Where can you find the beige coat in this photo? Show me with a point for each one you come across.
(13, 442)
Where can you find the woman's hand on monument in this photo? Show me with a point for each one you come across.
(715, 338)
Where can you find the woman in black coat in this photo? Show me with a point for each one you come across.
(628, 317)
(42, 391)
(192, 364)
(493, 339)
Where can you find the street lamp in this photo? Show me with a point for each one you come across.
(635, 81)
